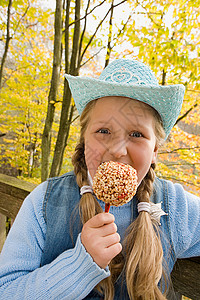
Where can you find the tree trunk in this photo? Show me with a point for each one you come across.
(109, 36)
(66, 113)
(7, 43)
(46, 136)
(73, 69)
(164, 77)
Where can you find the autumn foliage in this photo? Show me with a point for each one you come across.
(163, 35)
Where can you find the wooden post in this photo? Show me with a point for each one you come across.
(2, 230)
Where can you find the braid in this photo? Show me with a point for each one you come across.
(146, 187)
(143, 250)
(78, 161)
(88, 206)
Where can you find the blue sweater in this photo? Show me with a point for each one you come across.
(73, 274)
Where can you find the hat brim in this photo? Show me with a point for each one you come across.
(167, 100)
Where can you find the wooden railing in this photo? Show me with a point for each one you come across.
(12, 193)
(186, 272)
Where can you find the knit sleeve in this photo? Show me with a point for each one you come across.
(184, 214)
(72, 275)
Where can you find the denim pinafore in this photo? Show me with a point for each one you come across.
(60, 210)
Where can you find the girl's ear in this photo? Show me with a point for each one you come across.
(154, 156)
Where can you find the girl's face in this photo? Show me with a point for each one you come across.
(122, 130)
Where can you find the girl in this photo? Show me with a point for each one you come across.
(55, 252)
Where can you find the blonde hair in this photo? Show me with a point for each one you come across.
(142, 258)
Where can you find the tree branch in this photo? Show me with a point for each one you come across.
(181, 164)
(91, 57)
(149, 14)
(19, 21)
(178, 180)
(185, 114)
(121, 30)
(109, 35)
(82, 35)
(179, 149)
(87, 14)
(74, 119)
(114, 39)
(97, 28)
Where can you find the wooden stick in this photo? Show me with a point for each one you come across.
(107, 207)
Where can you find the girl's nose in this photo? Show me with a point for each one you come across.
(118, 148)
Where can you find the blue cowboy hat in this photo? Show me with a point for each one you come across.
(132, 79)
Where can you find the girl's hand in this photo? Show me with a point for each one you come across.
(100, 238)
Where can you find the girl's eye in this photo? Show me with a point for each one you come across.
(136, 134)
(103, 130)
